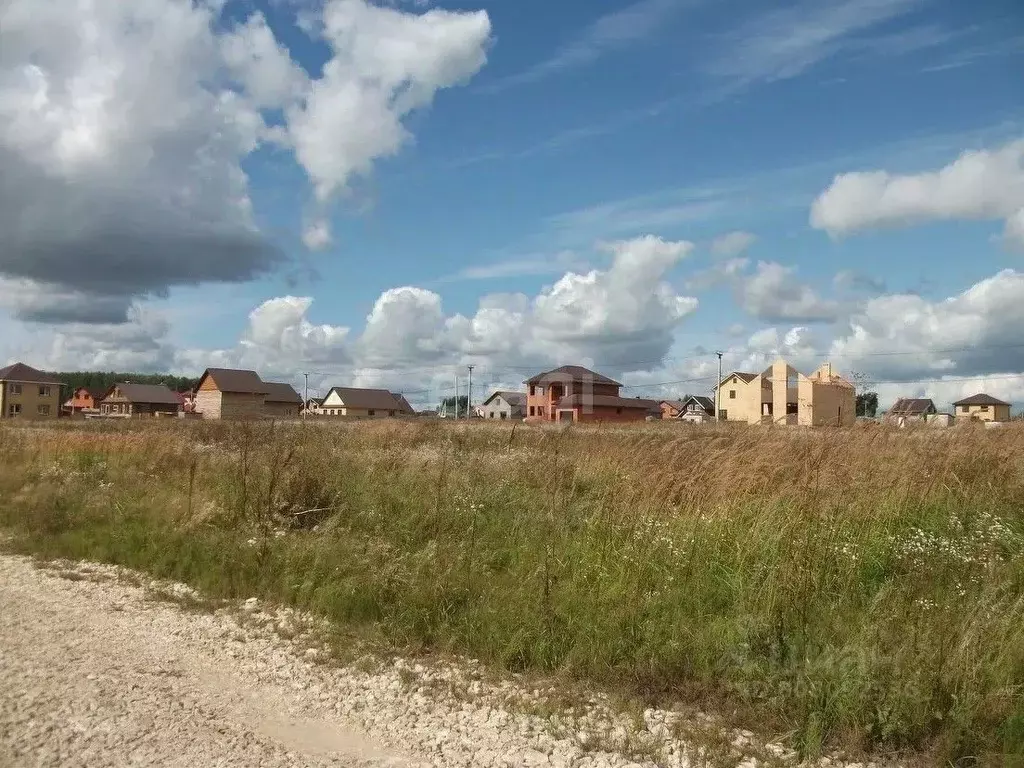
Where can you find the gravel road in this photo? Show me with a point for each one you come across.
(98, 668)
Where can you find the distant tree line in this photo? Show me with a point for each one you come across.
(105, 379)
(449, 403)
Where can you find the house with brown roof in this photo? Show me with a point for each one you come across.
(574, 393)
(982, 407)
(503, 404)
(84, 400)
(28, 393)
(908, 410)
(227, 393)
(782, 395)
(355, 402)
(127, 399)
(281, 401)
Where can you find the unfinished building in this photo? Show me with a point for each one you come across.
(782, 395)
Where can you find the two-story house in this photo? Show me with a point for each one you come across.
(982, 408)
(26, 392)
(575, 393)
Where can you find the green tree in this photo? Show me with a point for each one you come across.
(867, 404)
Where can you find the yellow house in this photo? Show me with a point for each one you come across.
(982, 408)
(26, 392)
(782, 395)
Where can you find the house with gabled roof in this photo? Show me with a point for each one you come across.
(85, 400)
(356, 402)
(982, 407)
(574, 393)
(503, 404)
(28, 393)
(228, 393)
(127, 399)
(692, 408)
(908, 410)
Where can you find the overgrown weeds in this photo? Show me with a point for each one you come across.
(862, 588)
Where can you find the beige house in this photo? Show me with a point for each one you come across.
(226, 393)
(981, 408)
(28, 393)
(282, 401)
(364, 403)
(782, 395)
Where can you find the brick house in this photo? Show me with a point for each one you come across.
(227, 393)
(127, 399)
(85, 399)
(982, 408)
(282, 401)
(574, 393)
(692, 408)
(28, 393)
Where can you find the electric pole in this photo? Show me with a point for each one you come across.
(718, 390)
(456, 397)
(305, 395)
(469, 396)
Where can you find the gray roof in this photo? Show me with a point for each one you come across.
(281, 393)
(156, 394)
(236, 381)
(573, 373)
(515, 399)
(25, 374)
(981, 399)
(707, 403)
(911, 406)
(370, 399)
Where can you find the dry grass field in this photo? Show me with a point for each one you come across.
(861, 588)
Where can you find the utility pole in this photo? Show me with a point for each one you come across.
(718, 390)
(456, 397)
(469, 396)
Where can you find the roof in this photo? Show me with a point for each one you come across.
(403, 404)
(575, 401)
(911, 406)
(575, 373)
(281, 393)
(236, 381)
(676, 404)
(981, 399)
(26, 374)
(370, 399)
(157, 394)
(746, 377)
(515, 399)
(707, 403)
(315, 401)
(94, 392)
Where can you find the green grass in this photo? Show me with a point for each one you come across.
(859, 588)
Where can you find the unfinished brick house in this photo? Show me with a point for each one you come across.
(782, 395)
(574, 393)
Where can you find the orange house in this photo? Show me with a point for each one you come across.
(85, 399)
(574, 393)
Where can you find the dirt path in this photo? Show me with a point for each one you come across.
(98, 675)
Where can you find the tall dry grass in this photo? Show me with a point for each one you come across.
(861, 587)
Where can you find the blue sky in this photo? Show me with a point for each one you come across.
(514, 144)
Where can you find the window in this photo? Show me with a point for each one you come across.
(984, 407)
(723, 415)
(533, 391)
(504, 415)
(14, 410)
(391, 413)
(732, 394)
(618, 411)
(44, 391)
(532, 409)
(371, 412)
(965, 408)
(15, 389)
(43, 410)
